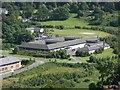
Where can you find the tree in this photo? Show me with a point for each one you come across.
(60, 13)
(80, 14)
(23, 36)
(92, 86)
(16, 50)
(109, 7)
(81, 53)
(92, 59)
(43, 13)
(99, 50)
(74, 7)
(84, 6)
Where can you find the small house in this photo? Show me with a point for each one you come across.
(9, 63)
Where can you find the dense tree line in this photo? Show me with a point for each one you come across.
(46, 10)
(62, 53)
(113, 41)
(109, 71)
(13, 31)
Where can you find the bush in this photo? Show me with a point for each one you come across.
(59, 26)
(92, 59)
(99, 50)
(78, 27)
(86, 80)
(46, 26)
(16, 50)
(81, 53)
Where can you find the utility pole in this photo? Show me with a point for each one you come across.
(55, 4)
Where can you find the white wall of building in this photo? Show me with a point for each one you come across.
(92, 51)
(107, 47)
(77, 46)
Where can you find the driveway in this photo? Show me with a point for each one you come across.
(77, 60)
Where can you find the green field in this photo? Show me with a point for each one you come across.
(105, 53)
(71, 22)
(78, 32)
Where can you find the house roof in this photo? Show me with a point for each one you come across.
(8, 60)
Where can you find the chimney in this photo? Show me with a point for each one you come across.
(103, 43)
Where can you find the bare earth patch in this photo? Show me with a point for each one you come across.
(87, 33)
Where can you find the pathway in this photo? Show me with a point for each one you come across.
(77, 60)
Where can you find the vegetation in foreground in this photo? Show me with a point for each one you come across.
(58, 75)
(62, 75)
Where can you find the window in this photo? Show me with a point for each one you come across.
(17, 65)
(11, 67)
(6, 68)
(2, 69)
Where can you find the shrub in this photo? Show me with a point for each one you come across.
(16, 50)
(78, 27)
(86, 80)
(92, 59)
(99, 50)
(59, 26)
(81, 53)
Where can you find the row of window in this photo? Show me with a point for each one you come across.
(6, 68)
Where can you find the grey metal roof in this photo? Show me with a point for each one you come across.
(56, 44)
(8, 60)
(65, 43)
(34, 46)
(51, 46)
(38, 42)
(94, 46)
(57, 39)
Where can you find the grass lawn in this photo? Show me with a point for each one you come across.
(78, 32)
(105, 53)
(71, 22)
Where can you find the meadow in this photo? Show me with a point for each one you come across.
(105, 53)
(78, 32)
(71, 22)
